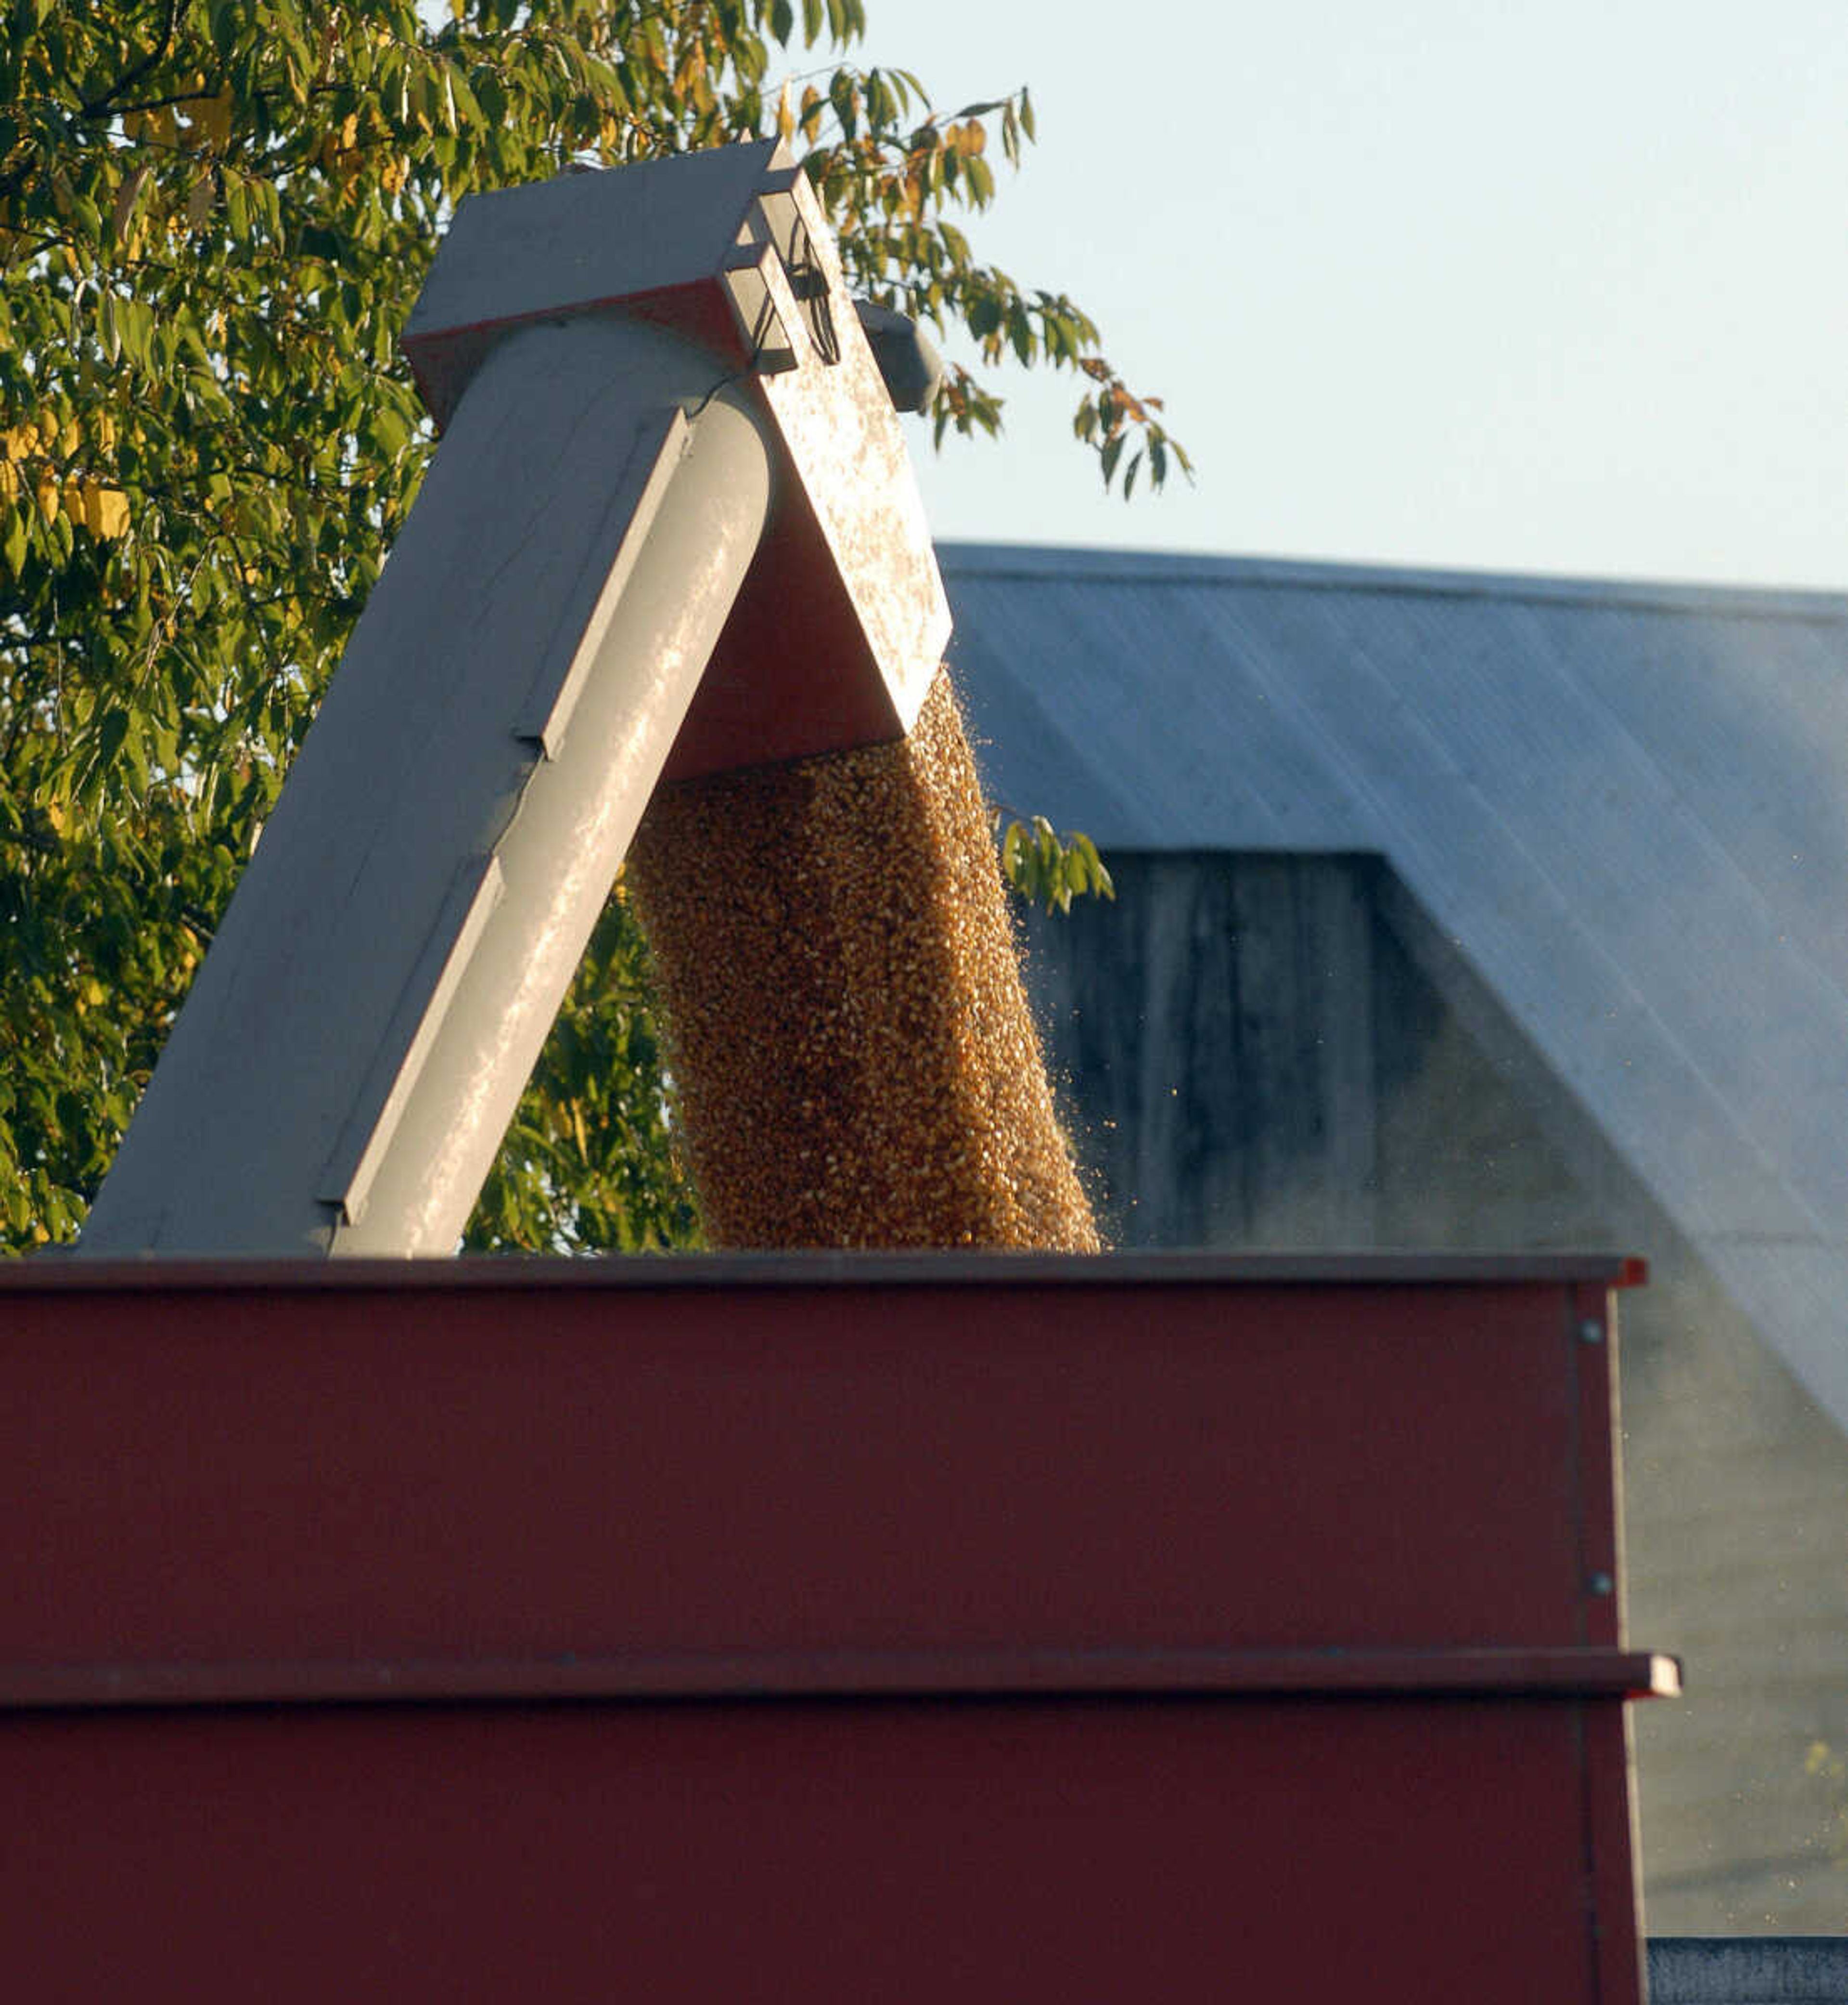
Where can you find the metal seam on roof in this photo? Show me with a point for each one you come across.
(1084, 565)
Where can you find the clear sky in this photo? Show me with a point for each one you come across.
(1491, 283)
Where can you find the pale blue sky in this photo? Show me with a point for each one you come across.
(1558, 287)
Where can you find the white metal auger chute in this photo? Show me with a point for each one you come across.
(671, 528)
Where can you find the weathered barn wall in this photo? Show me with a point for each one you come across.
(1272, 1050)
(1253, 1058)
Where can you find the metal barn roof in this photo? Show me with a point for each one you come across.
(1627, 805)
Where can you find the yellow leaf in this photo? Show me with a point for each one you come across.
(102, 427)
(48, 496)
(349, 129)
(394, 174)
(460, 8)
(9, 481)
(108, 513)
(102, 511)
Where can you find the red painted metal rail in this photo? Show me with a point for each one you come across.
(835, 1628)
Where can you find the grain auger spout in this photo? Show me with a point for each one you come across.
(670, 532)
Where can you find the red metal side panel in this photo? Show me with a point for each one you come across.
(1012, 1853)
(302, 1473)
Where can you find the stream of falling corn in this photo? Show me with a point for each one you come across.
(855, 1061)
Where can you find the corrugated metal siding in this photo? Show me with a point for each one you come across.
(1627, 804)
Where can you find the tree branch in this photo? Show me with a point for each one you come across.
(93, 108)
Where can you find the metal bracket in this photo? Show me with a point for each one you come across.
(775, 223)
(751, 272)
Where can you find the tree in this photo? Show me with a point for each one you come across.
(214, 216)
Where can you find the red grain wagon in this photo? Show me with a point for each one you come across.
(829, 1627)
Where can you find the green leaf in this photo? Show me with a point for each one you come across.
(135, 326)
(468, 108)
(111, 733)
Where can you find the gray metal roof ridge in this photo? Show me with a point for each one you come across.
(1082, 564)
